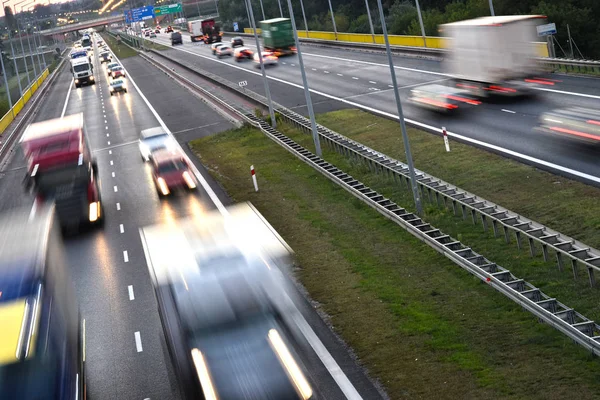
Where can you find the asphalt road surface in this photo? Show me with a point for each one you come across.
(341, 78)
(126, 353)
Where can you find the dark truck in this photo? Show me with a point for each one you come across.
(42, 350)
(60, 169)
(278, 37)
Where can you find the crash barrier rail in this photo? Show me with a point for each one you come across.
(576, 66)
(431, 44)
(501, 219)
(7, 142)
(574, 325)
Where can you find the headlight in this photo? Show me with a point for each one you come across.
(94, 211)
(111, 89)
(189, 180)
(92, 78)
(162, 185)
(288, 362)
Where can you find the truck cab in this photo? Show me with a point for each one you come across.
(60, 169)
(83, 71)
(43, 343)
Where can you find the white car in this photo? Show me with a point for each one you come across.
(224, 50)
(153, 140)
(214, 47)
(268, 58)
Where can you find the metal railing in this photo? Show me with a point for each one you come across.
(574, 325)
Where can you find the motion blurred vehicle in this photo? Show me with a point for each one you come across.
(494, 55)
(169, 29)
(60, 168)
(278, 37)
(223, 306)
(243, 53)
(77, 44)
(171, 172)
(157, 29)
(117, 72)
(578, 123)
(224, 50)
(78, 54)
(117, 85)
(147, 32)
(152, 34)
(155, 139)
(441, 98)
(205, 30)
(83, 71)
(176, 38)
(214, 46)
(237, 41)
(105, 57)
(110, 66)
(268, 58)
(42, 351)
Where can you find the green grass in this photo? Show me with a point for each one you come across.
(155, 46)
(421, 325)
(120, 50)
(569, 207)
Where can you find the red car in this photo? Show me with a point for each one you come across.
(171, 171)
(169, 29)
(243, 53)
(117, 72)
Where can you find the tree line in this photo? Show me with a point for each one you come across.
(582, 16)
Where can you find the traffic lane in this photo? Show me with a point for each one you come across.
(12, 193)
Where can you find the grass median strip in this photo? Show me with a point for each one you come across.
(121, 50)
(421, 325)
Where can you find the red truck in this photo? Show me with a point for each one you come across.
(60, 168)
(204, 30)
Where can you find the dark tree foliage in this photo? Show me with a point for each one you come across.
(582, 16)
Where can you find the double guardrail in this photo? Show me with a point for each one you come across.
(549, 310)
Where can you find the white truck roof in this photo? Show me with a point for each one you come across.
(491, 21)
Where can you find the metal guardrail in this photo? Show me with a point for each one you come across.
(574, 325)
(564, 247)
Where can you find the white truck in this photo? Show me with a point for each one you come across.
(493, 55)
(195, 29)
(83, 71)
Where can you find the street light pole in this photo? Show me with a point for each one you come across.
(303, 17)
(24, 57)
(262, 10)
(10, 105)
(332, 19)
(262, 65)
(12, 49)
(280, 9)
(492, 8)
(421, 23)
(31, 54)
(311, 113)
(370, 20)
(411, 167)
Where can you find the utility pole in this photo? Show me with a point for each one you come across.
(262, 65)
(311, 113)
(332, 20)
(370, 20)
(411, 167)
(421, 23)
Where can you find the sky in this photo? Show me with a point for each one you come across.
(26, 4)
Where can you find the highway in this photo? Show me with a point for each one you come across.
(125, 350)
(342, 78)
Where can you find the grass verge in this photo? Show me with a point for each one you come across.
(420, 324)
(121, 50)
(155, 46)
(570, 208)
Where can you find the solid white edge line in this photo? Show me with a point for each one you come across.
(125, 256)
(138, 342)
(64, 110)
(326, 358)
(479, 143)
(130, 290)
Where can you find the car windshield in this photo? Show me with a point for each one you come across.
(117, 83)
(81, 67)
(117, 68)
(171, 166)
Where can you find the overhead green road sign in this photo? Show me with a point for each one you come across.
(168, 9)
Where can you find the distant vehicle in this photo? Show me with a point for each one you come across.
(224, 50)
(441, 98)
(60, 168)
(215, 46)
(171, 171)
(78, 53)
(221, 307)
(110, 66)
(153, 140)
(278, 37)
(243, 53)
(169, 29)
(83, 71)
(105, 57)
(147, 33)
(237, 41)
(117, 85)
(157, 29)
(577, 123)
(152, 34)
(493, 55)
(267, 57)
(205, 31)
(176, 38)
(117, 72)
(41, 324)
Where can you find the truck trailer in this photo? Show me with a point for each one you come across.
(278, 37)
(493, 55)
(204, 30)
(60, 169)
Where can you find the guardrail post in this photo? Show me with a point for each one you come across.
(474, 216)
(591, 276)
(574, 267)
(531, 247)
(545, 252)
(495, 228)
(559, 260)
(506, 234)
(518, 237)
